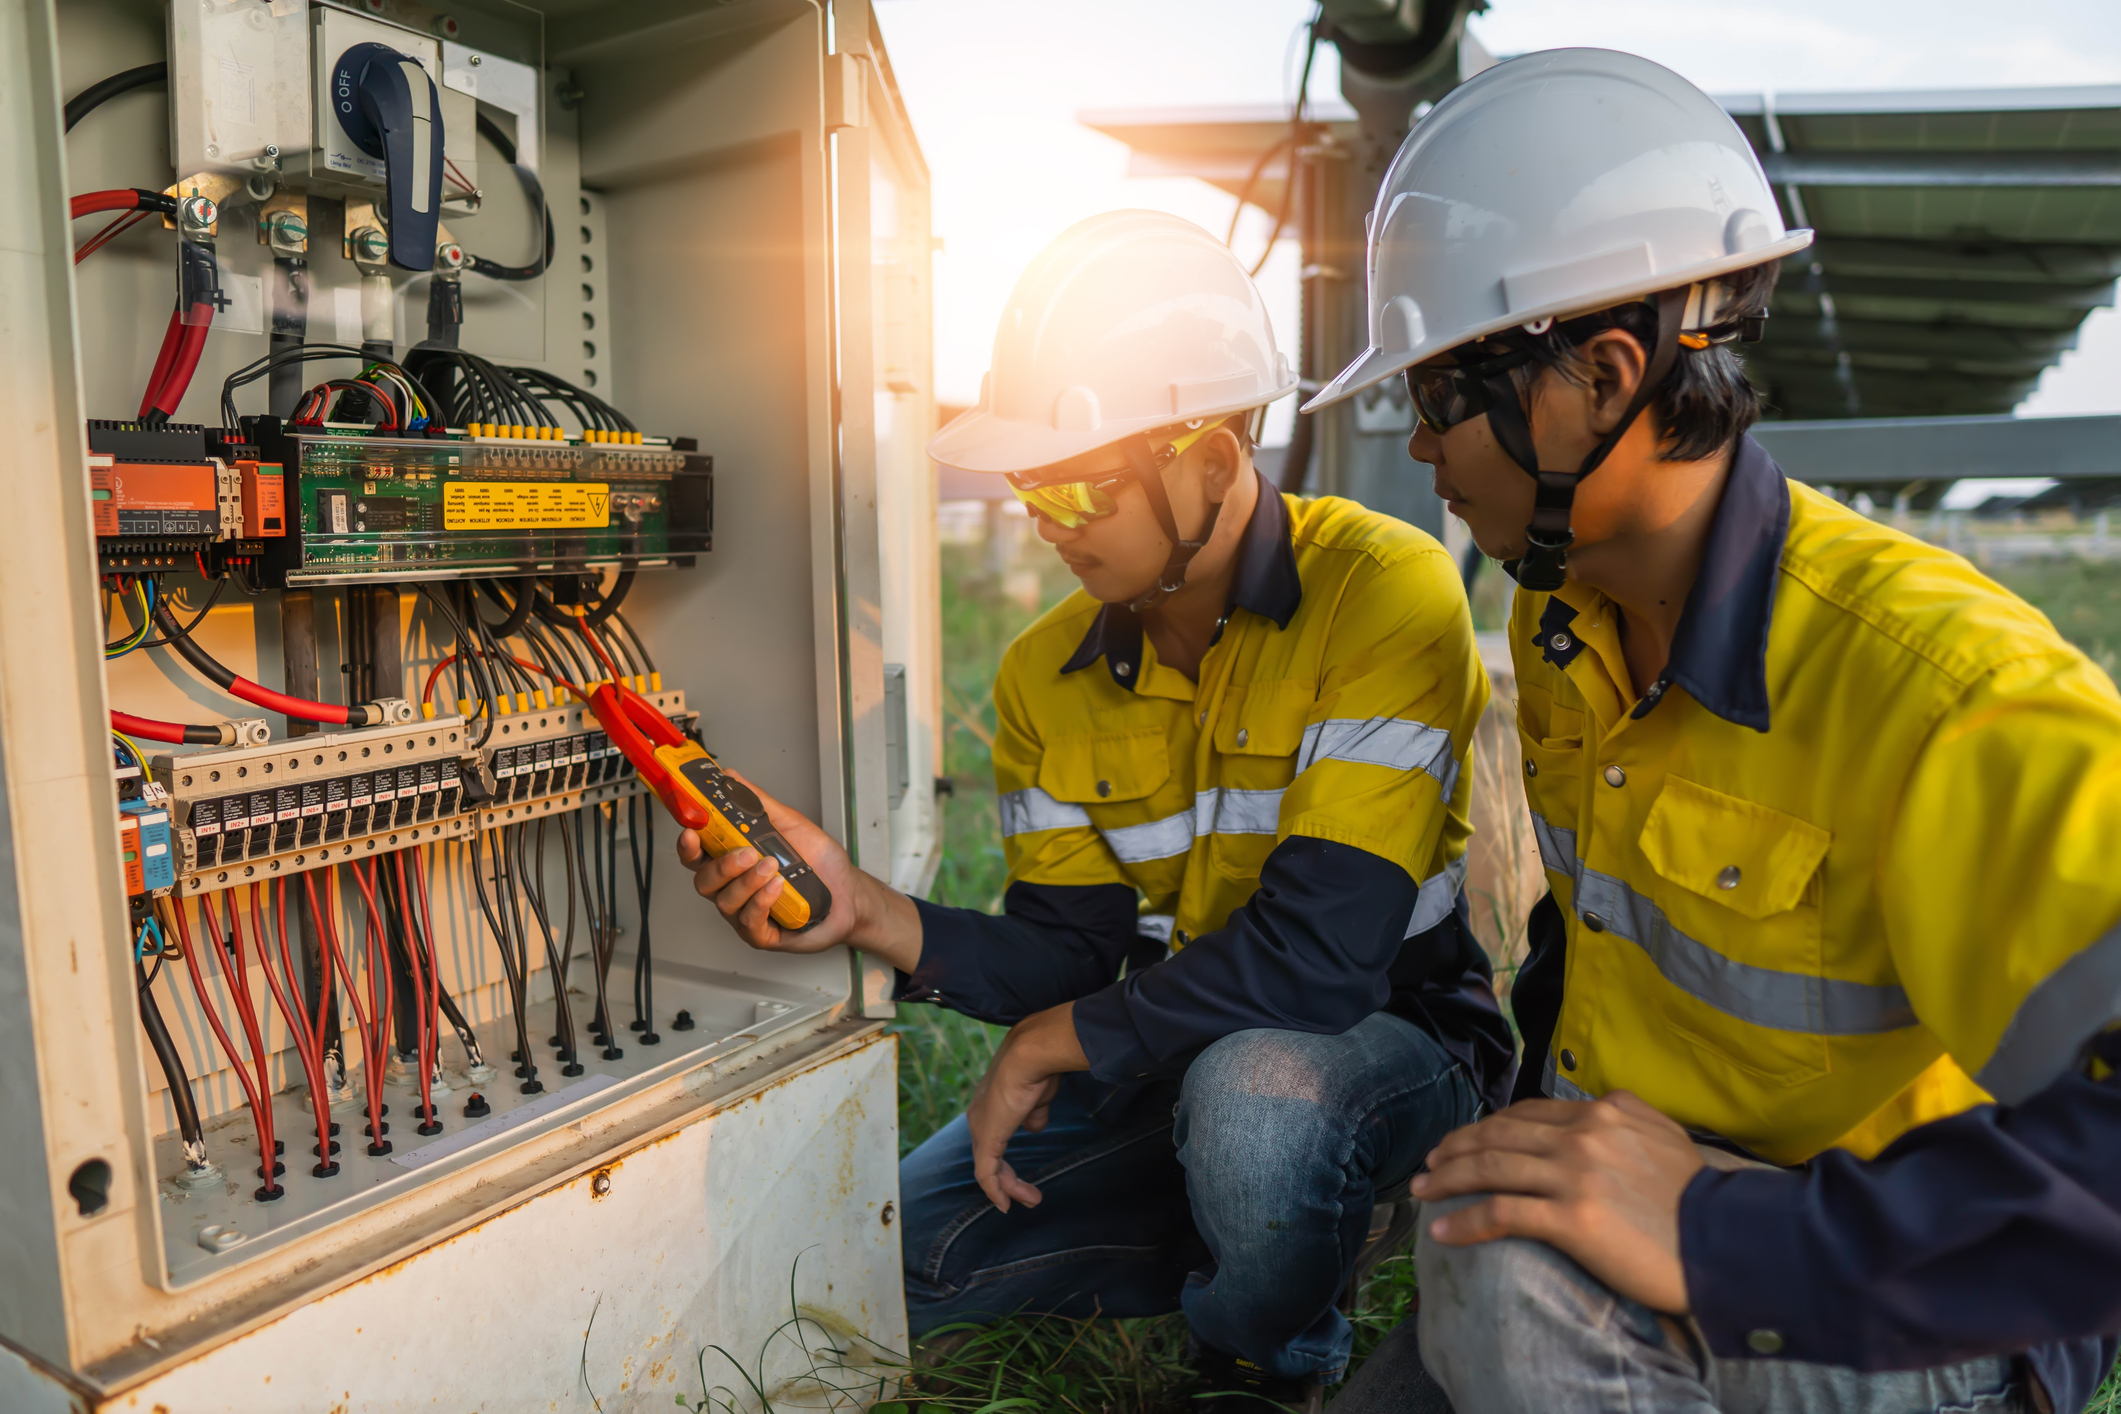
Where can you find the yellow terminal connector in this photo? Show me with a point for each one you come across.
(427, 710)
(522, 702)
(539, 698)
(464, 707)
(655, 682)
(515, 429)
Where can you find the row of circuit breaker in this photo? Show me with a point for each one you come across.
(232, 817)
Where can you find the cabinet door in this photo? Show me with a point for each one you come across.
(887, 410)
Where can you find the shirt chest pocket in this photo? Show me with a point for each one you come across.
(1741, 906)
(1105, 768)
(1257, 744)
(1550, 739)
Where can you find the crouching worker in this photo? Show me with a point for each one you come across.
(1822, 1003)
(1234, 763)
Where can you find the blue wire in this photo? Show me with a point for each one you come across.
(148, 925)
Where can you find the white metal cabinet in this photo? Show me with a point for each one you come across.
(699, 165)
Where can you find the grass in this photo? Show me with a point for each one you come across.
(990, 593)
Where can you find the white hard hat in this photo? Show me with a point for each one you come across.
(1556, 184)
(1128, 322)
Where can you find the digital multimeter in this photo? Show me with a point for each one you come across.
(701, 796)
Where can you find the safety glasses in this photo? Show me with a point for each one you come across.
(1448, 394)
(1073, 504)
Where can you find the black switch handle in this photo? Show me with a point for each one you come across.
(396, 114)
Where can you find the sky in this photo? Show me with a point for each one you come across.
(994, 87)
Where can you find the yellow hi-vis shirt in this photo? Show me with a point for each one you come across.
(1339, 703)
(1860, 842)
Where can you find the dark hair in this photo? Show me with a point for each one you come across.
(1705, 403)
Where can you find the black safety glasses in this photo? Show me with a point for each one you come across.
(1450, 393)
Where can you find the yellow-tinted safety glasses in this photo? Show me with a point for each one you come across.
(1074, 504)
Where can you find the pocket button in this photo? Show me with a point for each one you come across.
(1531, 767)
(1593, 922)
(1243, 736)
(1728, 878)
(1616, 777)
(1568, 1059)
(1104, 788)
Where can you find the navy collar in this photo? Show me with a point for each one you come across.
(1719, 654)
(1266, 583)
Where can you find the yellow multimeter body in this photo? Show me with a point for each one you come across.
(727, 815)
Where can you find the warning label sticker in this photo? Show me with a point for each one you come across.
(517, 505)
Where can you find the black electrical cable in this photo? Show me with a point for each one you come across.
(641, 822)
(97, 94)
(263, 367)
(197, 619)
(627, 629)
(518, 614)
(467, 647)
(494, 270)
(494, 924)
(534, 892)
(165, 1048)
(512, 841)
(619, 649)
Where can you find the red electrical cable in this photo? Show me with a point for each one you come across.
(582, 622)
(378, 961)
(153, 730)
(371, 1058)
(164, 396)
(260, 1112)
(121, 223)
(427, 693)
(172, 336)
(116, 199)
(296, 1016)
(247, 1010)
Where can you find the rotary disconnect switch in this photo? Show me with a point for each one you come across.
(390, 108)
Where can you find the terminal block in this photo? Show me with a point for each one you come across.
(255, 813)
(543, 762)
(159, 495)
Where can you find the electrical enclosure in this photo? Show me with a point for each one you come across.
(739, 262)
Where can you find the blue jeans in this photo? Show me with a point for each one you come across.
(1515, 1327)
(1245, 1202)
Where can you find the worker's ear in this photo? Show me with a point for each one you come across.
(1222, 461)
(1616, 363)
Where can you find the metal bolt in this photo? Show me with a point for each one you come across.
(477, 60)
(601, 1184)
(199, 213)
(890, 1212)
(219, 1237)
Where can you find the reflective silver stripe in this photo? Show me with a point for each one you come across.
(1157, 839)
(1559, 1086)
(1438, 896)
(2054, 1021)
(1557, 846)
(1392, 742)
(1781, 1001)
(1030, 810)
(1225, 810)
(1154, 925)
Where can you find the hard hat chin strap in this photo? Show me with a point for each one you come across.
(1545, 565)
(1141, 457)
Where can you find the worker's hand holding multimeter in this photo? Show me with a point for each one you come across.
(725, 813)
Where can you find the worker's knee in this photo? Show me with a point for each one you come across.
(1504, 1323)
(1259, 1102)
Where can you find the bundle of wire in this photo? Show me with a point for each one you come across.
(378, 379)
(383, 384)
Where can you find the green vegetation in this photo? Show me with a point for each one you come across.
(2081, 597)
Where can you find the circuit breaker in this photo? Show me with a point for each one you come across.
(398, 377)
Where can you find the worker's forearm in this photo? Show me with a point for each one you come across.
(887, 925)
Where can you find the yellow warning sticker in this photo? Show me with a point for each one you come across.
(520, 505)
